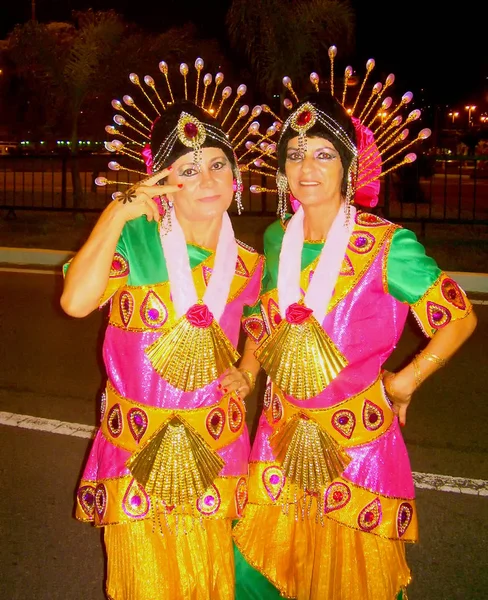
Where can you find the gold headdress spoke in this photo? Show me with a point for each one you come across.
(149, 81)
(135, 80)
(114, 131)
(163, 67)
(406, 99)
(118, 147)
(241, 90)
(267, 109)
(370, 64)
(408, 159)
(123, 122)
(347, 75)
(129, 101)
(243, 111)
(332, 52)
(207, 80)
(199, 64)
(389, 81)
(287, 83)
(256, 111)
(184, 71)
(218, 80)
(117, 105)
(226, 93)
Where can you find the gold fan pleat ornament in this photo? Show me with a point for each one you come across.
(299, 356)
(194, 352)
(309, 457)
(176, 465)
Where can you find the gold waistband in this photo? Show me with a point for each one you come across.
(358, 420)
(129, 424)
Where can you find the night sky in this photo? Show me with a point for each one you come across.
(441, 52)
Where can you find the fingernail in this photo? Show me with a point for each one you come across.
(170, 168)
(402, 424)
(219, 385)
(225, 390)
(180, 185)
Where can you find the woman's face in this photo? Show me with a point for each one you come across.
(207, 188)
(314, 177)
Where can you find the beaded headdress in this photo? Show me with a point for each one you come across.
(134, 122)
(381, 132)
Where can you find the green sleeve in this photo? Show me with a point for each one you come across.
(410, 272)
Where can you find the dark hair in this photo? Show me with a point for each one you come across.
(168, 120)
(331, 107)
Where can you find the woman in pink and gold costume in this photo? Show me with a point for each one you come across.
(167, 471)
(331, 497)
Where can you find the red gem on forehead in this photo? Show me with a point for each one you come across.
(191, 130)
(304, 118)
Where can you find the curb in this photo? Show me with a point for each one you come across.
(470, 282)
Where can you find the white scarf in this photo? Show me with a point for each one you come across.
(322, 285)
(181, 282)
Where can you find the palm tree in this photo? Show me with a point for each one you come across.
(63, 64)
(288, 37)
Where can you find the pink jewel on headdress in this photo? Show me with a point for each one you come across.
(191, 130)
(304, 118)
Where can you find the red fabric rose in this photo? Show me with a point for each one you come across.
(199, 316)
(297, 313)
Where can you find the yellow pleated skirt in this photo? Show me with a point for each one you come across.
(309, 561)
(147, 562)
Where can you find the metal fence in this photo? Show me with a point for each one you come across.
(451, 189)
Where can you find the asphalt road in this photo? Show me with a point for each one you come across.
(50, 367)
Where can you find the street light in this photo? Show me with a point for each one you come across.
(454, 116)
(470, 109)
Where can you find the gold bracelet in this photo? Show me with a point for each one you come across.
(433, 358)
(251, 380)
(416, 372)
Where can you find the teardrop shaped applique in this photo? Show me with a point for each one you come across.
(254, 327)
(452, 293)
(344, 421)
(336, 497)
(235, 416)
(267, 396)
(361, 242)
(347, 269)
(209, 503)
(114, 421)
(274, 314)
(100, 500)
(276, 408)
(373, 417)
(126, 306)
(103, 404)
(241, 268)
(274, 482)
(438, 315)
(153, 311)
(86, 499)
(207, 272)
(241, 495)
(136, 502)
(369, 220)
(370, 516)
(119, 266)
(137, 420)
(215, 422)
(404, 517)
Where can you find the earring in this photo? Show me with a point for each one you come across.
(165, 221)
(238, 188)
(350, 191)
(283, 191)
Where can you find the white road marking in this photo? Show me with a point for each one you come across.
(424, 481)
